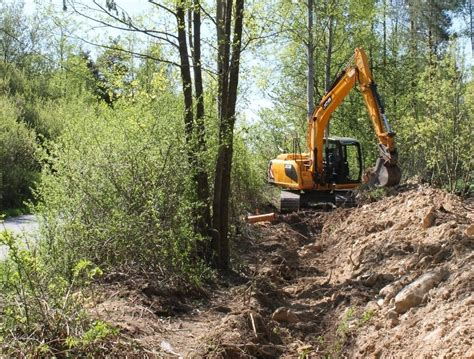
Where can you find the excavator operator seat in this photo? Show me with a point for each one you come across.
(342, 160)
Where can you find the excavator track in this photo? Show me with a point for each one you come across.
(291, 201)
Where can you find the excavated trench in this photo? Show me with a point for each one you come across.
(392, 278)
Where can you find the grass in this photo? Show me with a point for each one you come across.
(345, 330)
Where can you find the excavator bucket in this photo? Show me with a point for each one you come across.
(385, 174)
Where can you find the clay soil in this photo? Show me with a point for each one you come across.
(319, 285)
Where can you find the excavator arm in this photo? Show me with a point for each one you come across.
(386, 171)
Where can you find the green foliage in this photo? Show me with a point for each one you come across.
(366, 317)
(114, 78)
(117, 190)
(438, 138)
(248, 177)
(13, 25)
(342, 332)
(99, 330)
(18, 166)
(43, 312)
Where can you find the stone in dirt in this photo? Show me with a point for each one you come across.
(372, 279)
(392, 318)
(314, 247)
(393, 322)
(283, 314)
(429, 218)
(390, 290)
(470, 231)
(167, 348)
(310, 249)
(413, 294)
(470, 353)
(391, 314)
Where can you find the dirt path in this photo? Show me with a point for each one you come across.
(323, 284)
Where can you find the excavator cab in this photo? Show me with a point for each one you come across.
(342, 161)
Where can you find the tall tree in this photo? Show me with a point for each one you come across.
(310, 50)
(471, 5)
(194, 120)
(187, 42)
(228, 64)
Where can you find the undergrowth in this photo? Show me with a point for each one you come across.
(43, 313)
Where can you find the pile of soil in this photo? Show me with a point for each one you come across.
(393, 278)
(423, 235)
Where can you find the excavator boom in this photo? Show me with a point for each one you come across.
(335, 164)
(360, 73)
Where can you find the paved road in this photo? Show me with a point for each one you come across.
(26, 225)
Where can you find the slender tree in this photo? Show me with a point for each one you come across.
(310, 49)
(228, 64)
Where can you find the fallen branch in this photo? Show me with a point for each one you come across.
(253, 325)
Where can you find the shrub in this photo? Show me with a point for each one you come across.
(117, 190)
(18, 166)
(42, 314)
(249, 189)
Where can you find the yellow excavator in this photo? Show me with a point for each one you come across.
(332, 167)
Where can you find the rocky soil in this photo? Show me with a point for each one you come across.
(392, 278)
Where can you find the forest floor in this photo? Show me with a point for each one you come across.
(392, 278)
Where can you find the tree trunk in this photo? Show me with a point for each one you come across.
(223, 39)
(327, 68)
(186, 81)
(310, 79)
(394, 50)
(194, 128)
(223, 19)
(384, 34)
(229, 77)
(414, 60)
(471, 3)
(201, 174)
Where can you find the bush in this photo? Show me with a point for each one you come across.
(117, 190)
(249, 185)
(18, 167)
(42, 314)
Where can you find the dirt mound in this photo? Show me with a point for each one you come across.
(393, 278)
(415, 235)
(336, 277)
